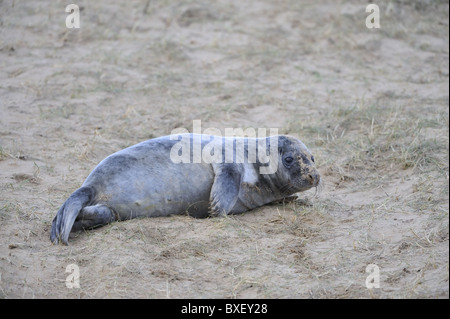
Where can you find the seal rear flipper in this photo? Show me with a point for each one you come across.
(93, 217)
(225, 189)
(65, 218)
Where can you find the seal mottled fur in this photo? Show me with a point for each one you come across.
(143, 180)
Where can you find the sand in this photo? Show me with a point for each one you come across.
(372, 105)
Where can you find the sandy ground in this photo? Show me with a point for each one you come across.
(372, 105)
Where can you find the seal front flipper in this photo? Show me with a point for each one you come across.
(64, 219)
(225, 189)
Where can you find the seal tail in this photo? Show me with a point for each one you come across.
(65, 218)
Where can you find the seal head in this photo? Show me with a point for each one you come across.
(296, 166)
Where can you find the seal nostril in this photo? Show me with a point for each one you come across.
(311, 178)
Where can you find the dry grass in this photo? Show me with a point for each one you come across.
(371, 105)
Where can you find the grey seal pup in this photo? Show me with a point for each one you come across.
(152, 179)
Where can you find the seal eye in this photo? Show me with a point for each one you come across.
(288, 160)
(312, 158)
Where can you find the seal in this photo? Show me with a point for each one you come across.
(152, 179)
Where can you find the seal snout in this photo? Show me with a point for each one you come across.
(313, 178)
